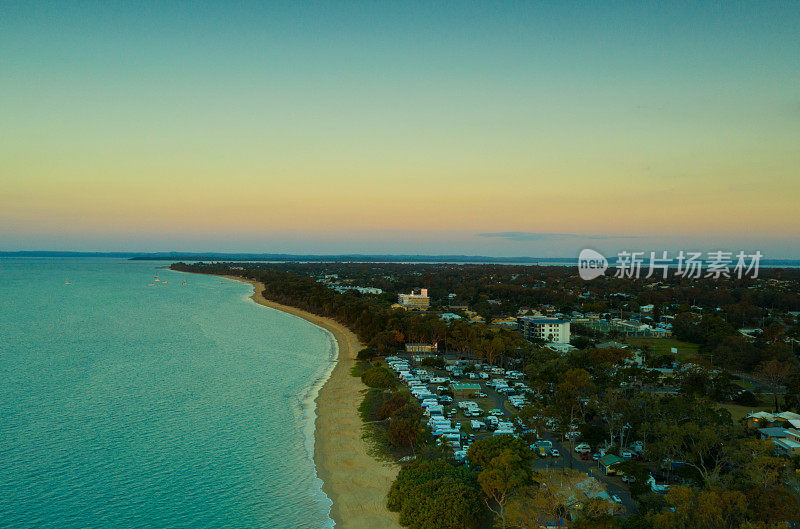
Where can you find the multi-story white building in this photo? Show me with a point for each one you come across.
(547, 329)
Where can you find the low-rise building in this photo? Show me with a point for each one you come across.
(607, 462)
(560, 348)
(759, 419)
(465, 389)
(510, 321)
(788, 446)
(421, 348)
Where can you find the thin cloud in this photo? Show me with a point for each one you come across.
(536, 236)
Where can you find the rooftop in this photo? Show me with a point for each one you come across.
(551, 321)
(464, 386)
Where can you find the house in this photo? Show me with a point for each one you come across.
(511, 321)
(750, 333)
(473, 316)
(791, 423)
(784, 417)
(449, 316)
(607, 462)
(560, 348)
(421, 348)
(789, 446)
(759, 419)
(647, 308)
(606, 345)
(773, 433)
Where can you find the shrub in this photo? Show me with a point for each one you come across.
(483, 451)
(436, 494)
(379, 377)
(367, 353)
(371, 408)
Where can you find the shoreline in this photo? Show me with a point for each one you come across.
(355, 483)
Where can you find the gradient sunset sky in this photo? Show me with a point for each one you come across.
(491, 128)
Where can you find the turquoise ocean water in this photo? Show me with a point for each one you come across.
(124, 405)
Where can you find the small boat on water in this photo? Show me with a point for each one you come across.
(67, 283)
(184, 283)
(151, 285)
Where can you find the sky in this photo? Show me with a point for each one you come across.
(481, 128)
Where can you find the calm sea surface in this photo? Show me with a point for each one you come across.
(124, 405)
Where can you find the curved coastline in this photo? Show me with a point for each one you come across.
(354, 482)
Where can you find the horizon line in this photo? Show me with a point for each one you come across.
(239, 256)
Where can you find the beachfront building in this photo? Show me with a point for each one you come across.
(547, 329)
(414, 300)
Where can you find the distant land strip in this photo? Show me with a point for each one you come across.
(363, 258)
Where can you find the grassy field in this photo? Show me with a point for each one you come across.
(738, 411)
(686, 350)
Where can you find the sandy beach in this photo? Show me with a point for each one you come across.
(355, 482)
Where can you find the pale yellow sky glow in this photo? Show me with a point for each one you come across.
(132, 139)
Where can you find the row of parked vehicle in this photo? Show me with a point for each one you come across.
(439, 419)
(634, 451)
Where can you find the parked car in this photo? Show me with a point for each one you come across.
(480, 395)
(596, 456)
(583, 448)
(555, 453)
(616, 499)
(496, 412)
(445, 398)
(626, 454)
